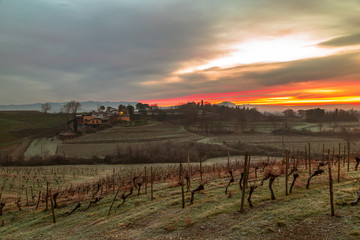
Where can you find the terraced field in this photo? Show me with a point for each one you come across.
(119, 138)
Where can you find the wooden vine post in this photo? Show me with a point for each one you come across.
(228, 160)
(348, 156)
(246, 164)
(331, 187)
(151, 184)
(344, 155)
(339, 163)
(181, 182)
(145, 180)
(248, 170)
(26, 195)
(47, 195)
(201, 180)
(32, 195)
(112, 203)
(286, 172)
(38, 202)
(305, 157)
(52, 207)
(309, 159)
(188, 187)
(113, 180)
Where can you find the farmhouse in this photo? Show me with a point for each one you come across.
(124, 117)
(97, 119)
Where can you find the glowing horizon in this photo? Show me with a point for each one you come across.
(294, 95)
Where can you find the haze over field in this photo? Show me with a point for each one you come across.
(170, 52)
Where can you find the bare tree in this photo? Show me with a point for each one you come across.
(45, 107)
(70, 109)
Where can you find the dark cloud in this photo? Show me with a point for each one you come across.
(353, 39)
(55, 50)
(316, 69)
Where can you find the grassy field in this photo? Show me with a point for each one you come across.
(16, 125)
(304, 214)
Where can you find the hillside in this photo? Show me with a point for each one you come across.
(304, 214)
(16, 125)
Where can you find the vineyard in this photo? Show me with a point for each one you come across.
(249, 197)
(119, 139)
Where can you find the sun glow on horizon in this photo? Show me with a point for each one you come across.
(297, 94)
(265, 50)
(293, 101)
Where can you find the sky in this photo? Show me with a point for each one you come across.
(263, 52)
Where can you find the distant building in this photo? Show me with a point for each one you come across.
(67, 135)
(97, 119)
(124, 117)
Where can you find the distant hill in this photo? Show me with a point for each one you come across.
(279, 108)
(55, 106)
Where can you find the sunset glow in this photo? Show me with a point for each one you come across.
(344, 93)
(257, 57)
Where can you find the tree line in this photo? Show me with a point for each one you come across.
(320, 115)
